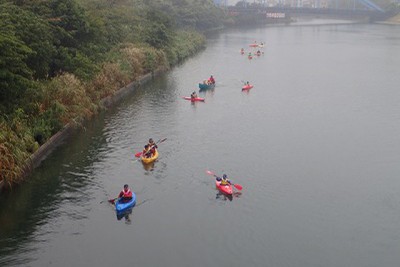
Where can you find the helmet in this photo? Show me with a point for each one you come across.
(125, 186)
(224, 176)
(151, 140)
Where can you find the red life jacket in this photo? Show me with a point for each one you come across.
(126, 194)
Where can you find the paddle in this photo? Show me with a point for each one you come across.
(237, 186)
(148, 152)
(112, 201)
(141, 152)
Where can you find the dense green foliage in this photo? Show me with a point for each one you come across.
(59, 58)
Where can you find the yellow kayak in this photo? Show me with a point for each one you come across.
(151, 159)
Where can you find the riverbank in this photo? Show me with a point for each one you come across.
(85, 100)
(70, 128)
(60, 68)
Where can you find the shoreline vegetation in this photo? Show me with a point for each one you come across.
(62, 61)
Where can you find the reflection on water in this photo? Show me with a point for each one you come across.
(125, 215)
(237, 194)
(222, 196)
(149, 166)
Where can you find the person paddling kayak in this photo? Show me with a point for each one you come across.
(125, 195)
(151, 147)
(151, 143)
(146, 152)
(224, 180)
(212, 80)
(193, 95)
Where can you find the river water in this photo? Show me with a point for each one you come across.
(315, 145)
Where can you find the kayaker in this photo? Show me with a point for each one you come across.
(212, 80)
(146, 152)
(224, 180)
(193, 95)
(126, 194)
(152, 146)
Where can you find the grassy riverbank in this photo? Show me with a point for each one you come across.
(60, 58)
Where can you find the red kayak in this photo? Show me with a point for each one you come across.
(194, 99)
(253, 45)
(247, 87)
(227, 189)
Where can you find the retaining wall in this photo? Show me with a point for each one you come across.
(45, 150)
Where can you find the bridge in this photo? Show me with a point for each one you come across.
(357, 9)
(368, 4)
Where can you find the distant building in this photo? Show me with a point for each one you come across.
(273, 3)
(299, 3)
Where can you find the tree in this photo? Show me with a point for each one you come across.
(15, 75)
(159, 29)
(34, 32)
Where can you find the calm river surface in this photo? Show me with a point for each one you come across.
(315, 145)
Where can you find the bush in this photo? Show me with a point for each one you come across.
(16, 144)
(107, 82)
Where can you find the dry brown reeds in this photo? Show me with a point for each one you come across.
(143, 60)
(69, 92)
(107, 81)
(13, 153)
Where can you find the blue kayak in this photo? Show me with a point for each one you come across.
(123, 206)
(204, 86)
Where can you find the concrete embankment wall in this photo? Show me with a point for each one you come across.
(44, 151)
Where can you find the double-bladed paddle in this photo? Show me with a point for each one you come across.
(112, 201)
(237, 186)
(148, 152)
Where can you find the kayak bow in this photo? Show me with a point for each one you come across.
(123, 206)
(227, 189)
